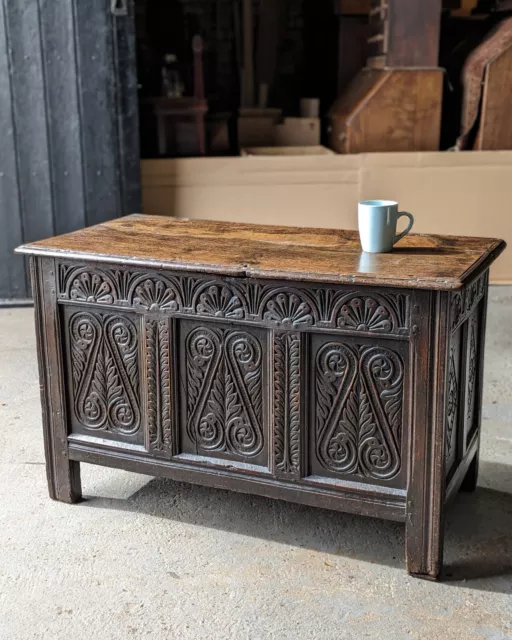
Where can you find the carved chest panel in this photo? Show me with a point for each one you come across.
(268, 377)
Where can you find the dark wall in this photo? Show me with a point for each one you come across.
(68, 123)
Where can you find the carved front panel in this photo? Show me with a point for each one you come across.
(223, 392)
(102, 357)
(357, 415)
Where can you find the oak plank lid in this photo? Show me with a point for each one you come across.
(264, 251)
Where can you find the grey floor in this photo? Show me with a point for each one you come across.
(158, 559)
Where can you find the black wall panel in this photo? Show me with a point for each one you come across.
(69, 153)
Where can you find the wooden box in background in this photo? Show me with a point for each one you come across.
(388, 110)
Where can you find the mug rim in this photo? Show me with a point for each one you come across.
(378, 203)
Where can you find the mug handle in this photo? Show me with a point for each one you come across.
(399, 236)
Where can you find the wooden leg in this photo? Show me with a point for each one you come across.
(424, 536)
(64, 479)
(424, 530)
(471, 477)
(62, 473)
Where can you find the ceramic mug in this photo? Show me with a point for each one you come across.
(377, 225)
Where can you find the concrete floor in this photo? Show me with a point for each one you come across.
(158, 559)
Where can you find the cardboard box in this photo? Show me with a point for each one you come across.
(313, 150)
(298, 132)
(465, 193)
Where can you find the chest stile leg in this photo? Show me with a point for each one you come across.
(426, 478)
(62, 473)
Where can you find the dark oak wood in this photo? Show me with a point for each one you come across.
(164, 350)
(302, 254)
(62, 473)
(413, 37)
(404, 33)
(426, 489)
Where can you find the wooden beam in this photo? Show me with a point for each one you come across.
(413, 35)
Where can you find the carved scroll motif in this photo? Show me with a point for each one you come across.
(359, 397)
(224, 391)
(104, 361)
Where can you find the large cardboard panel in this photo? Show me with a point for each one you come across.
(465, 193)
(318, 191)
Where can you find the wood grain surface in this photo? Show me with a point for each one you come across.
(251, 250)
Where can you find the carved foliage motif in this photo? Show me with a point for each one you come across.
(91, 287)
(287, 447)
(452, 402)
(154, 294)
(287, 310)
(219, 301)
(471, 368)
(359, 396)
(297, 307)
(104, 360)
(224, 391)
(158, 356)
(463, 302)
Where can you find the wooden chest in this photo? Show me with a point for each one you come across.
(271, 360)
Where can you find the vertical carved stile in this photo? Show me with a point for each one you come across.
(287, 404)
(157, 363)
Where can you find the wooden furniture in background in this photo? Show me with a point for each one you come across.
(180, 121)
(487, 82)
(352, 40)
(394, 104)
(312, 150)
(404, 33)
(180, 125)
(388, 110)
(495, 131)
(278, 361)
(494, 5)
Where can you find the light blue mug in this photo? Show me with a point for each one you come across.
(377, 225)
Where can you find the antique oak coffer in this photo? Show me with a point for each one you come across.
(270, 360)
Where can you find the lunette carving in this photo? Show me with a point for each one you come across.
(374, 313)
(287, 309)
(154, 294)
(224, 391)
(105, 373)
(359, 397)
(219, 301)
(287, 373)
(302, 308)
